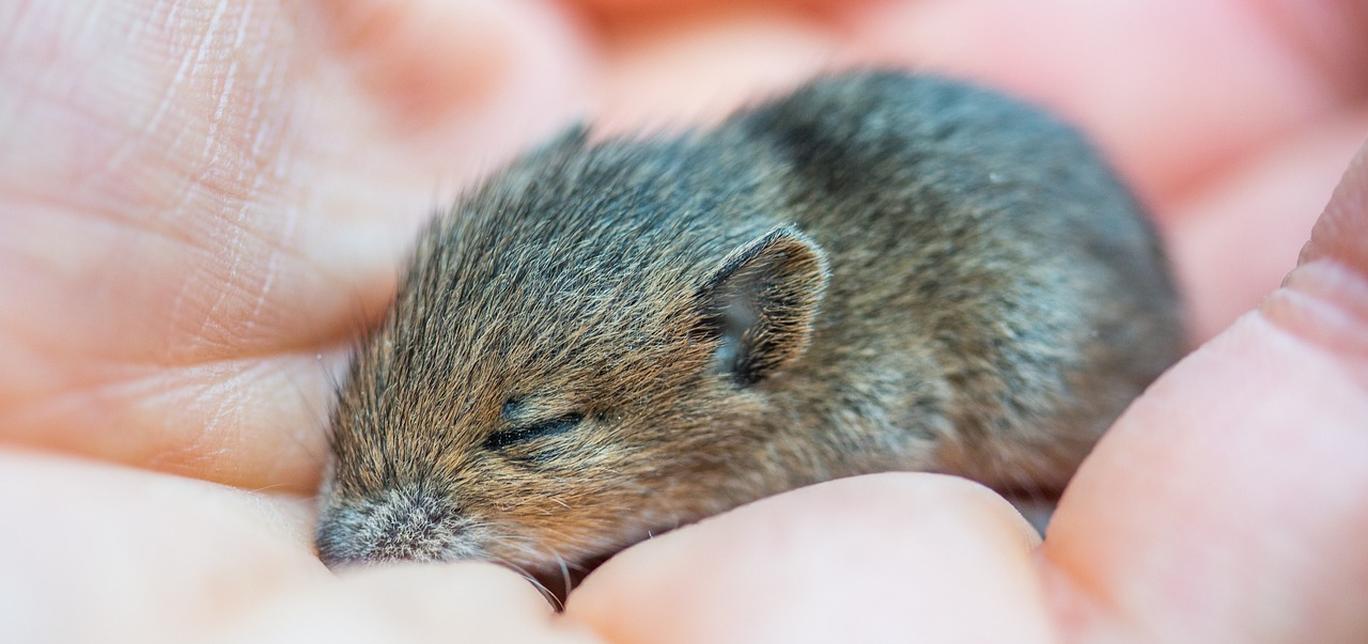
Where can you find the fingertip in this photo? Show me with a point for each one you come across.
(463, 601)
(859, 559)
(1341, 234)
(1232, 242)
(429, 591)
(1325, 299)
(1198, 514)
(423, 60)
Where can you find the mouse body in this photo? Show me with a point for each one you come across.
(878, 271)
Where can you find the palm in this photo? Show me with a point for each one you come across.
(191, 227)
(199, 207)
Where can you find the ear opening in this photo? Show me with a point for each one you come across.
(761, 303)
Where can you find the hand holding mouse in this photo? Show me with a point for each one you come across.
(202, 308)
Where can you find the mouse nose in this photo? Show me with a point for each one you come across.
(393, 527)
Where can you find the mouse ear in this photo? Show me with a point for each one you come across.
(762, 301)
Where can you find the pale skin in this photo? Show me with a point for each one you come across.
(199, 203)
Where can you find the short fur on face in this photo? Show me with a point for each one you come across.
(878, 271)
(532, 373)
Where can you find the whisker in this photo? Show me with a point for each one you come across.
(264, 488)
(565, 570)
(541, 588)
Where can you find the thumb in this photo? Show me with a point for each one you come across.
(1228, 503)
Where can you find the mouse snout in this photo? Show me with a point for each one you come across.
(393, 527)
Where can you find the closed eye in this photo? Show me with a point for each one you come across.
(500, 440)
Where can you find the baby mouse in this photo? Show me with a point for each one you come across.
(879, 271)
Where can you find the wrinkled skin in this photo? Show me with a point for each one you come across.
(194, 207)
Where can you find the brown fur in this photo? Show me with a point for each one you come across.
(879, 271)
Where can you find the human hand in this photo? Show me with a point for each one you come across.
(197, 206)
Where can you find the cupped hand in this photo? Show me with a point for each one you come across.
(199, 202)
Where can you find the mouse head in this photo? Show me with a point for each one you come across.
(546, 391)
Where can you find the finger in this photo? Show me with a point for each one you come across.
(460, 85)
(891, 557)
(1227, 504)
(1232, 241)
(1338, 236)
(1173, 90)
(95, 552)
(464, 602)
